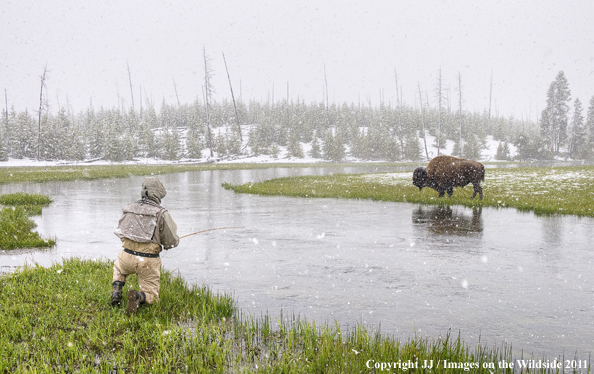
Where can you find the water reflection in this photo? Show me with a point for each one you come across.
(445, 220)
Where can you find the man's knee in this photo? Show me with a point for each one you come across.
(117, 274)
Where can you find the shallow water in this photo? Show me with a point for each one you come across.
(491, 275)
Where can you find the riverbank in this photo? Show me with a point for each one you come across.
(56, 173)
(545, 190)
(59, 319)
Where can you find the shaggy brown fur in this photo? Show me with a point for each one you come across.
(446, 172)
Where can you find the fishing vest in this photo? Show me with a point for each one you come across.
(139, 222)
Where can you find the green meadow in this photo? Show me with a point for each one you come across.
(546, 190)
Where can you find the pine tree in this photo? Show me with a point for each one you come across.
(170, 144)
(294, 148)
(3, 137)
(503, 151)
(472, 148)
(338, 148)
(112, 149)
(274, 150)
(233, 139)
(521, 143)
(590, 129)
(328, 145)
(96, 133)
(3, 153)
(412, 147)
(577, 139)
(219, 145)
(315, 151)
(554, 118)
(149, 142)
(456, 150)
(193, 145)
(77, 149)
(25, 141)
(10, 132)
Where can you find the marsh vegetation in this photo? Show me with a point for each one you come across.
(15, 223)
(548, 190)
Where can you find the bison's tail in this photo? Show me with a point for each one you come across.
(483, 172)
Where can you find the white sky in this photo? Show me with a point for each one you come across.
(87, 44)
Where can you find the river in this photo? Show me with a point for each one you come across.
(493, 276)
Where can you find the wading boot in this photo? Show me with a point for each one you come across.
(135, 298)
(116, 294)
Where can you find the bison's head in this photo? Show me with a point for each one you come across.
(420, 178)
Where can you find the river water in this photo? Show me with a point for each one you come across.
(493, 276)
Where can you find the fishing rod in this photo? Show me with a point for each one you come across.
(198, 232)
(218, 228)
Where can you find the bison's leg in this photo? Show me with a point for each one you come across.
(441, 191)
(450, 191)
(477, 189)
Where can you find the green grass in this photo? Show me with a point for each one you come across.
(547, 190)
(21, 198)
(15, 230)
(15, 223)
(91, 172)
(59, 319)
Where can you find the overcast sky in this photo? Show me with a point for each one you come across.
(271, 44)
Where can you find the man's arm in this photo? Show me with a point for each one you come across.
(169, 238)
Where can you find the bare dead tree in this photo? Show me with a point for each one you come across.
(233, 97)
(399, 104)
(42, 104)
(423, 121)
(208, 92)
(176, 95)
(326, 85)
(287, 100)
(490, 95)
(460, 109)
(119, 99)
(140, 100)
(326, 97)
(131, 90)
(6, 102)
(439, 92)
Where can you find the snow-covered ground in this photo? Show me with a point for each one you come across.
(487, 154)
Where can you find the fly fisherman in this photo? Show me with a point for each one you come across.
(145, 229)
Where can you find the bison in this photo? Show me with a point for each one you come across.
(446, 172)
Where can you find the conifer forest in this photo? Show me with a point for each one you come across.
(208, 129)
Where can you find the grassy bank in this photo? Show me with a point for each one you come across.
(59, 320)
(90, 172)
(546, 190)
(15, 223)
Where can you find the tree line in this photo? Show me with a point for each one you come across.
(384, 132)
